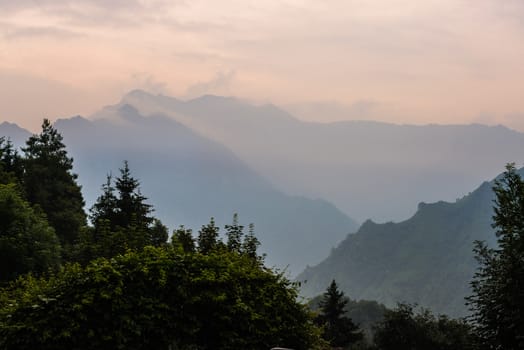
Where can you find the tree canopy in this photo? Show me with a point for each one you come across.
(404, 328)
(27, 242)
(49, 182)
(338, 329)
(157, 298)
(497, 301)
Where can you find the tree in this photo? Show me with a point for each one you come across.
(339, 330)
(105, 206)
(49, 182)
(403, 329)
(497, 300)
(158, 233)
(208, 237)
(131, 208)
(27, 242)
(121, 220)
(250, 245)
(234, 233)
(10, 163)
(183, 238)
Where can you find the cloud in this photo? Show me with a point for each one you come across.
(147, 82)
(15, 32)
(219, 84)
(80, 13)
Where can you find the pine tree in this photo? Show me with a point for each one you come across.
(497, 301)
(339, 330)
(121, 220)
(131, 208)
(49, 183)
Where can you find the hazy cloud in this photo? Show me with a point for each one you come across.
(148, 82)
(13, 33)
(219, 84)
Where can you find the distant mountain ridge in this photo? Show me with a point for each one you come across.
(426, 259)
(189, 178)
(367, 169)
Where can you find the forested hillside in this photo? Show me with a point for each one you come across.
(427, 259)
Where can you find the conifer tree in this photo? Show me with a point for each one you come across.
(49, 182)
(131, 208)
(11, 169)
(339, 330)
(105, 205)
(121, 220)
(497, 301)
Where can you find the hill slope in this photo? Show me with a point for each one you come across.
(190, 178)
(427, 259)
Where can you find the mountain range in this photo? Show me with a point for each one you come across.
(370, 170)
(214, 156)
(190, 178)
(427, 259)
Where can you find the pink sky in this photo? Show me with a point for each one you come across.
(401, 61)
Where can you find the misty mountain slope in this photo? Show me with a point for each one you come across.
(427, 259)
(367, 169)
(189, 178)
(16, 134)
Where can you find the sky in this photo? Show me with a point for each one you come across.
(399, 61)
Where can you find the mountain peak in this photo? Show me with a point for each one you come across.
(129, 112)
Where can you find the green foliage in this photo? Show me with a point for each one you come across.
(234, 233)
(183, 238)
(11, 169)
(27, 242)
(121, 221)
(104, 210)
(497, 301)
(364, 313)
(338, 329)
(250, 245)
(49, 182)
(131, 209)
(208, 237)
(403, 329)
(158, 233)
(156, 299)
